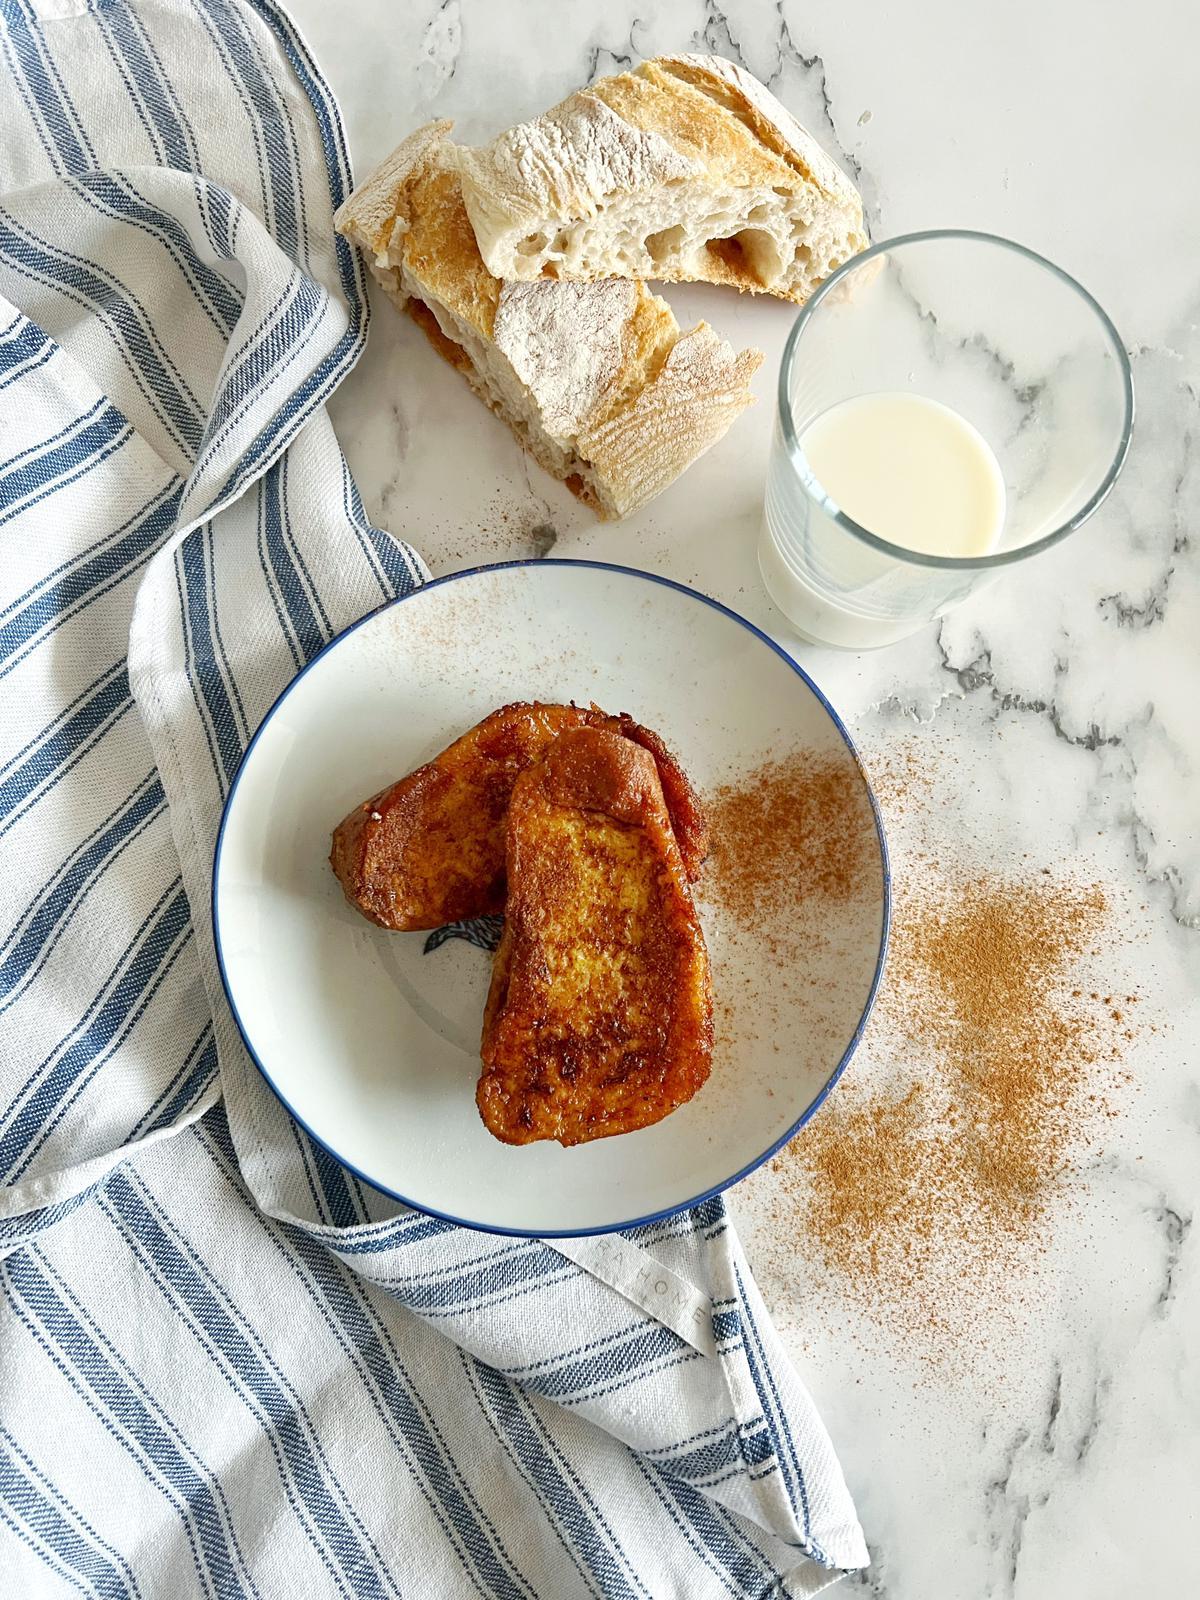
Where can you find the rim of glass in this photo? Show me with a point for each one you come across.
(1000, 558)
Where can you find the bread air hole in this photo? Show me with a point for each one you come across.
(752, 252)
(532, 244)
(663, 245)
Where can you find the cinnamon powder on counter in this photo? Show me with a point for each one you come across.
(925, 1189)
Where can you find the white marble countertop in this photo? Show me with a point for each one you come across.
(1061, 1457)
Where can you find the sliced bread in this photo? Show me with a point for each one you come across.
(685, 169)
(595, 379)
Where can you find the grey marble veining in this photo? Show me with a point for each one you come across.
(1059, 710)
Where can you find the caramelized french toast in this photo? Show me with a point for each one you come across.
(430, 849)
(599, 1017)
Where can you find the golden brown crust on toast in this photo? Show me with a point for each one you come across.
(430, 849)
(687, 814)
(599, 1018)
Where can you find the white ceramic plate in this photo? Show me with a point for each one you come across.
(373, 1043)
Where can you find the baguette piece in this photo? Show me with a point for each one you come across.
(596, 380)
(685, 169)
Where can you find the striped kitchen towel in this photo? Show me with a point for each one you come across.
(226, 1366)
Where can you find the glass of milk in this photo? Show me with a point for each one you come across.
(950, 404)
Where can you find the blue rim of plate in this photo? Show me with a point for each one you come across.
(814, 1105)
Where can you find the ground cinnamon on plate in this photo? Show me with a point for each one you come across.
(792, 833)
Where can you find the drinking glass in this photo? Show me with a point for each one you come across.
(1000, 335)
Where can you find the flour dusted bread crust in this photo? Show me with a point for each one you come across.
(595, 379)
(685, 169)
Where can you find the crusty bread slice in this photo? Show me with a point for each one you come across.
(685, 169)
(596, 380)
